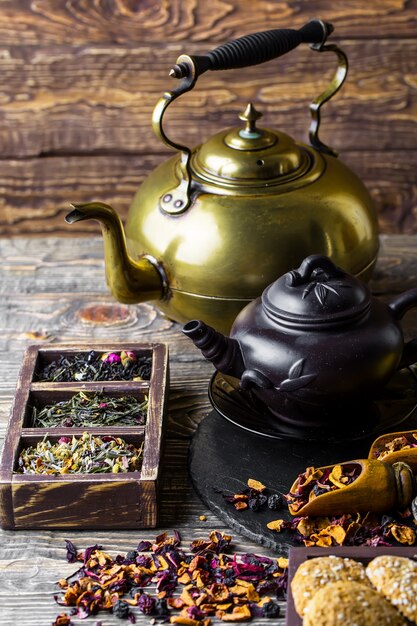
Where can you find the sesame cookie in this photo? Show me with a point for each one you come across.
(314, 573)
(350, 603)
(395, 577)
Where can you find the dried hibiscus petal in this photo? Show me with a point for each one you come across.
(214, 582)
(71, 551)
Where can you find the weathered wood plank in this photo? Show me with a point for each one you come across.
(100, 98)
(134, 20)
(35, 194)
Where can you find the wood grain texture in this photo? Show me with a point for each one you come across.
(44, 282)
(79, 81)
(81, 99)
(116, 21)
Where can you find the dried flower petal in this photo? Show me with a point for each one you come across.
(276, 525)
(239, 614)
(62, 620)
(255, 484)
(233, 588)
(71, 551)
(403, 534)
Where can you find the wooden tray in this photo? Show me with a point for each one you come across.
(83, 501)
(364, 554)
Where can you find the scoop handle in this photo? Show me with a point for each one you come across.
(256, 48)
(399, 307)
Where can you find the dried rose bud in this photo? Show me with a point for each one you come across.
(102, 405)
(64, 440)
(110, 357)
(128, 357)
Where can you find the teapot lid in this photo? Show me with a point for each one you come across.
(317, 294)
(250, 156)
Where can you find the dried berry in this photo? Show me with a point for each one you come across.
(121, 609)
(276, 502)
(271, 609)
(161, 607)
(254, 504)
(146, 604)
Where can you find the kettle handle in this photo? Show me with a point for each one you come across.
(247, 50)
(399, 307)
(253, 49)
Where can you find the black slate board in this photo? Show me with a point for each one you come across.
(224, 456)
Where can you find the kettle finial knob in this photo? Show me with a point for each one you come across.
(250, 115)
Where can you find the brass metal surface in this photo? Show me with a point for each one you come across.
(232, 245)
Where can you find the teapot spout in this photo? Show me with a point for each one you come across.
(128, 280)
(223, 352)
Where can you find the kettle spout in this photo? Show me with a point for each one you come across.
(128, 280)
(223, 352)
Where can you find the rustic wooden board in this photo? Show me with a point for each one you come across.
(156, 20)
(86, 99)
(80, 80)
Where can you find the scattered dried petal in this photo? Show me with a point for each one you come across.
(255, 484)
(62, 620)
(403, 534)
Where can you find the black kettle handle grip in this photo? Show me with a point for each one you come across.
(399, 307)
(256, 48)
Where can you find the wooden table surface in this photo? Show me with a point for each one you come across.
(53, 290)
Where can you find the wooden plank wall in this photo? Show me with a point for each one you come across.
(79, 79)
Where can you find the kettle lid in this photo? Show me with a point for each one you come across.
(317, 294)
(250, 156)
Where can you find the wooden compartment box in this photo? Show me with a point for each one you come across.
(76, 500)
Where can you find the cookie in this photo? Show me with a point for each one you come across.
(347, 603)
(314, 573)
(395, 577)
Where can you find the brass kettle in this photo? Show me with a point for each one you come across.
(210, 228)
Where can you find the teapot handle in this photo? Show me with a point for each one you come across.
(399, 307)
(247, 50)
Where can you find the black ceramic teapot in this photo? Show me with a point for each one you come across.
(314, 342)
